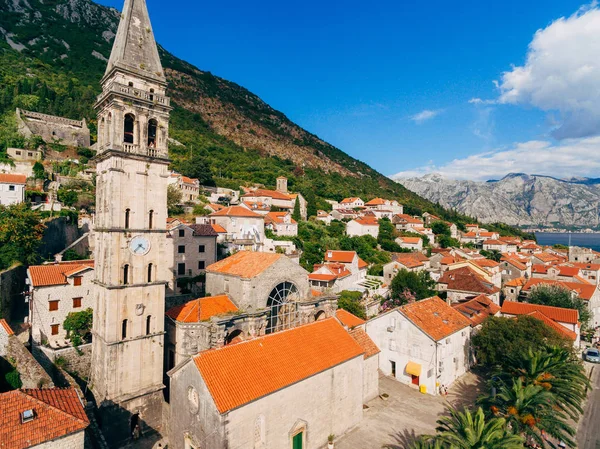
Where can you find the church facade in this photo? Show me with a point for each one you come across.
(131, 215)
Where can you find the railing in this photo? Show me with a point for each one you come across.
(138, 93)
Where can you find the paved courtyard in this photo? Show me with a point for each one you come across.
(395, 423)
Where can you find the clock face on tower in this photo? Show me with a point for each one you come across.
(139, 245)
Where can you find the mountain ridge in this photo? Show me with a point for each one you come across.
(518, 199)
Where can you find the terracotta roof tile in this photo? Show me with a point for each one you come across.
(517, 282)
(559, 314)
(339, 256)
(203, 230)
(56, 273)
(434, 317)
(485, 263)
(8, 178)
(477, 309)
(375, 202)
(349, 200)
(584, 291)
(219, 229)
(267, 193)
(348, 319)
(365, 342)
(245, 264)
(554, 325)
(466, 280)
(7, 329)
(367, 221)
(202, 309)
(250, 370)
(57, 413)
(235, 211)
(412, 240)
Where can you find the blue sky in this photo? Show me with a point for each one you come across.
(390, 82)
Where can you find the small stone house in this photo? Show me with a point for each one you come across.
(12, 189)
(363, 226)
(49, 418)
(245, 229)
(270, 392)
(55, 290)
(424, 344)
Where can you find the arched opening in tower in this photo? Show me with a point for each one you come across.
(128, 128)
(152, 125)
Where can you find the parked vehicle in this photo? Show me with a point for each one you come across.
(591, 355)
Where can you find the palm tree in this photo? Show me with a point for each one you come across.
(471, 430)
(426, 442)
(556, 371)
(530, 411)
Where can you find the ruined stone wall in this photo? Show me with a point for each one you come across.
(72, 360)
(60, 233)
(12, 286)
(31, 371)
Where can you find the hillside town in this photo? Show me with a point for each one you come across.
(140, 308)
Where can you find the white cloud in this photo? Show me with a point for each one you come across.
(561, 73)
(425, 115)
(480, 101)
(571, 157)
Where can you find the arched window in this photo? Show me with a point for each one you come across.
(149, 272)
(128, 128)
(148, 324)
(126, 274)
(282, 314)
(152, 125)
(320, 316)
(150, 219)
(124, 330)
(127, 213)
(234, 336)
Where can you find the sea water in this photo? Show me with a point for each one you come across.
(586, 240)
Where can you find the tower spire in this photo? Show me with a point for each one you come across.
(134, 49)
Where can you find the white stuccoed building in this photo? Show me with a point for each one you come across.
(12, 188)
(425, 344)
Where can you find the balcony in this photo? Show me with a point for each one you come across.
(135, 93)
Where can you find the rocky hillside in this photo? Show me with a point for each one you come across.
(517, 199)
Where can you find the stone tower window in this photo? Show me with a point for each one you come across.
(130, 83)
(127, 214)
(126, 274)
(124, 330)
(149, 272)
(152, 126)
(151, 94)
(148, 324)
(128, 127)
(150, 219)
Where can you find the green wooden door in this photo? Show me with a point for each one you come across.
(297, 441)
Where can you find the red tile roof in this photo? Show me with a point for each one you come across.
(517, 282)
(339, 256)
(367, 221)
(466, 280)
(348, 319)
(494, 242)
(515, 263)
(334, 271)
(365, 342)
(485, 263)
(349, 200)
(584, 291)
(559, 314)
(202, 309)
(250, 370)
(56, 273)
(267, 193)
(375, 202)
(477, 309)
(434, 317)
(8, 178)
(4, 325)
(412, 240)
(57, 413)
(277, 217)
(235, 211)
(406, 218)
(245, 264)
(219, 229)
(554, 325)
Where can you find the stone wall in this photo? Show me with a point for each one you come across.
(73, 360)
(73, 441)
(60, 233)
(31, 371)
(12, 286)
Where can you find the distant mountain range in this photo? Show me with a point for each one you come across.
(517, 199)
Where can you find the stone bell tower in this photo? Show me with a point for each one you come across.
(131, 214)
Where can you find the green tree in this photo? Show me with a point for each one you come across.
(350, 301)
(557, 370)
(21, 232)
(38, 171)
(71, 254)
(13, 379)
(79, 326)
(296, 214)
(67, 197)
(501, 340)
(311, 255)
(471, 430)
(196, 167)
(174, 197)
(557, 296)
(448, 242)
(311, 204)
(494, 255)
(410, 284)
(440, 228)
(529, 410)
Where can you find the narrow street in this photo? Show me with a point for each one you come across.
(588, 432)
